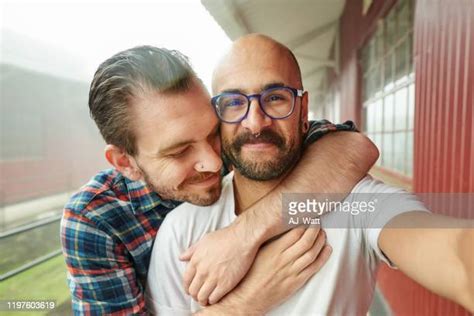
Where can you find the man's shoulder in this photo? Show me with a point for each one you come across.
(370, 185)
(102, 192)
(384, 200)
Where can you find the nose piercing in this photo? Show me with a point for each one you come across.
(256, 134)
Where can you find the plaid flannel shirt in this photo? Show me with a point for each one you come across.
(107, 234)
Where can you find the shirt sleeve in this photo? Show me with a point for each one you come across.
(101, 277)
(318, 129)
(389, 203)
(165, 293)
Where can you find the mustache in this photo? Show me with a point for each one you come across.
(266, 136)
(199, 177)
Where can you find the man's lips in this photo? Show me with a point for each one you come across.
(204, 181)
(258, 145)
(258, 141)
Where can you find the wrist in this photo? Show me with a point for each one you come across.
(253, 231)
(233, 304)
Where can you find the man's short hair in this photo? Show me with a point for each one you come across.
(124, 76)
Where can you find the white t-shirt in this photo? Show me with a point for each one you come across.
(343, 286)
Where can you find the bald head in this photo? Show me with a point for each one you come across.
(259, 51)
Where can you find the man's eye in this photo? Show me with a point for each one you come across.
(234, 102)
(179, 153)
(275, 97)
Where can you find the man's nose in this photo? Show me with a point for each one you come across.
(256, 119)
(209, 160)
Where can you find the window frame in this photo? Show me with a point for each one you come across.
(379, 51)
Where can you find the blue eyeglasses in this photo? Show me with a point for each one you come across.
(277, 103)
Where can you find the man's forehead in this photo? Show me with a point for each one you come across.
(252, 77)
(244, 65)
(250, 58)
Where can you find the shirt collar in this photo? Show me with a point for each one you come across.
(143, 199)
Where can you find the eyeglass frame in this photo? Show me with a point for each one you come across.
(258, 96)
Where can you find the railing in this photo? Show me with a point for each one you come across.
(29, 245)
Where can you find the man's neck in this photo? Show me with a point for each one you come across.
(247, 191)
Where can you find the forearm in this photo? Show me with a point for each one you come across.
(241, 301)
(466, 244)
(226, 308)
(334, 164)
(238, 303)
(435, 251)
(280, 269)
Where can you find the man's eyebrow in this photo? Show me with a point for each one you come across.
(265, 87)
(273, 85)
(232, 91)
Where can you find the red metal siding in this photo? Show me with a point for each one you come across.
(444, 57)
(444, 149)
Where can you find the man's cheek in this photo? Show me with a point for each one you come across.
(180, 173)
(218, 146)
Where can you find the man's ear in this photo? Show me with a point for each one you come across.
(123, 162)
(304, 112)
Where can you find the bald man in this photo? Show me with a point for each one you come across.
(260, 98)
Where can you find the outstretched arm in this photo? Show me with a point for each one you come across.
(217, 263)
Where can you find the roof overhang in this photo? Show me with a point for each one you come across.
(308, 27)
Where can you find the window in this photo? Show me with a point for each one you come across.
(331, 106)
(388, 89)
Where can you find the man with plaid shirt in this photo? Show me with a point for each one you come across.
(163, 155)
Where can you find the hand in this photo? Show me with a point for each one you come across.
(217, 263)
(280, 269)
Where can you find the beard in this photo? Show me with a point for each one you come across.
(289, 152)
(205, 198)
